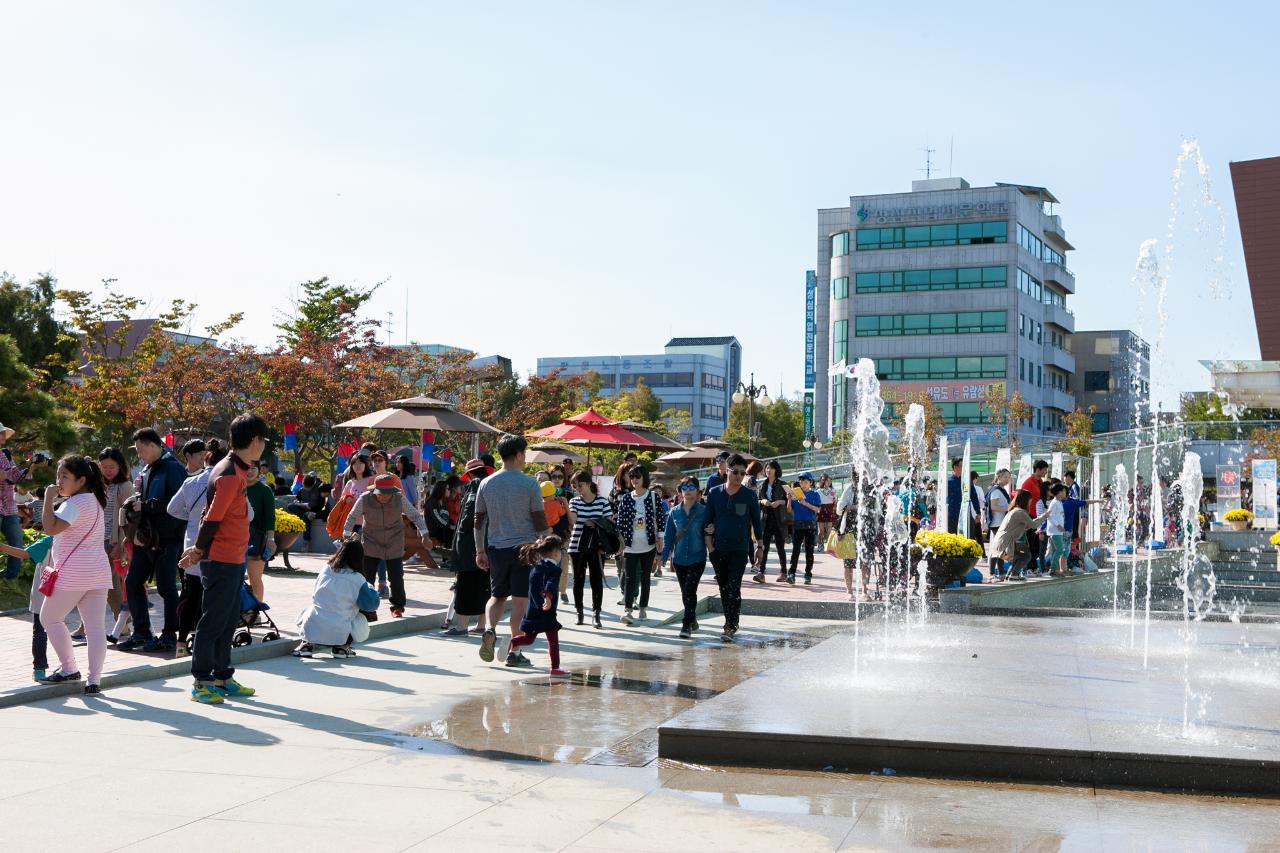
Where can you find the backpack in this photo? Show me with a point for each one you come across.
(338, 517)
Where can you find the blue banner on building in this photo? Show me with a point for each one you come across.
(810, 327)
(808, 413)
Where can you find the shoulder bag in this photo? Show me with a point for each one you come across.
(49, 577)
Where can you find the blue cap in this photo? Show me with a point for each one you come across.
(805, 475)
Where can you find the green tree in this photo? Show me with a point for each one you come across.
(1078, 440)
(328, 311)
(779, 427)
(639, 404)
(33, 414)
(27, 315)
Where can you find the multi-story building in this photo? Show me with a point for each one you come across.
(695, 375)
(1257, 191)
(954, 290)
(492, 366)
(1113, 377)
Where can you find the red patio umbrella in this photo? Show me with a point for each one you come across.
(592, 429)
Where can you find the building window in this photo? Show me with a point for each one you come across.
(712, 412)
(945, 323)
(1022, 370)
(840, 244)
(957, 367)
(712, 381)
(1039, 375)
(908, 281)
(1102, 422)
(1030, 285)
(840, 287)
(1053, 297)
(658, 380)
(840, 340)
(921, 236)
(1097, 380)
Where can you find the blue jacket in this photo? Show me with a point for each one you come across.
(692, 548)
(543, 577)
(161, 480)
(734, 517)
(954, 495)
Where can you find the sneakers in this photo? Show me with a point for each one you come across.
(304, 650)
(343, 652)
(627, 618)
(644, 614)
(791, 579)
(182, 649)
(558, 673)
(454, 631)
(92, 689)
(37, 675)
(808, 579)
(695, 624)
(206, 695)
(384, 591)
(758, 577)
(518, 661)
(232, 689)
(397, 612)
(685, 633)
(782, 578)
(134, 643)
(78, 637)
(160, 644)
(487, 642)
(726, 637)
(60, 677)
(581, 620)
(564, 598)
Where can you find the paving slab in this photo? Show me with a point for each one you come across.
(1054, 700)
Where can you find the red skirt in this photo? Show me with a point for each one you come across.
(827, 514)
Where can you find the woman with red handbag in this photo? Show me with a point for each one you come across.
(80, 575)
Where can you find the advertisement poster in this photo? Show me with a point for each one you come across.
(975, 390)
(1228, 489)
(1264, 493)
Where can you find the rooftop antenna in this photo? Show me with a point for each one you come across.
(388, 328)
(406, 316)
(928, 161)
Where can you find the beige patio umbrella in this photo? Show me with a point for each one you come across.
(551, 454)
(419, 413)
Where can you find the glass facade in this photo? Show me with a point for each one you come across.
(953, 413)
(948, 367)
(1038, 248)
(1030, 285)
(947, 323)
(658, 380)
(964, 278)
(921, 236)
(840, 244)
(840, 287)
(840, 340)
(712, 412)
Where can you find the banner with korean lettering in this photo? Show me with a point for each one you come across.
(808, 413)
(1264, 493)
(810, 329)
(944, 392)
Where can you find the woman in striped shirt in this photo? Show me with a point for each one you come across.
(584, 545)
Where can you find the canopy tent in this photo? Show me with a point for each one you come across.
(660, 441)
(592, 429)
(551, 454)
(701, 454)
(419, 413)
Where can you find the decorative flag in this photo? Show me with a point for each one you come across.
(944, 469)
(428, 448)
(168, 440)
(297, 483)
(290, 435)
(345, 451)
(446, 461)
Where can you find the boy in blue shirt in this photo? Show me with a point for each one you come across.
(804, 526)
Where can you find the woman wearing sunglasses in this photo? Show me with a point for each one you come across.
(684, 545)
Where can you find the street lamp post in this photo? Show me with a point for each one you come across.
(750, 393)
(810, 443)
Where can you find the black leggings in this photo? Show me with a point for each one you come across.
(591, 561)
(771, 535)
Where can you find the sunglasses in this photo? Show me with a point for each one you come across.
(637, 476)
(557, 478)
(688, 488)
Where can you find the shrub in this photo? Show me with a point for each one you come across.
(946, 544)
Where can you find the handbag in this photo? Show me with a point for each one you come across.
(607, 533)
(49, 577)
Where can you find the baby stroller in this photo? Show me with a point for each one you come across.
(253, 614)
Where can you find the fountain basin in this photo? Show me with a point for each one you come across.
(1026, 699)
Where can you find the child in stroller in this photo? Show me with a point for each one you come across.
(341, 604)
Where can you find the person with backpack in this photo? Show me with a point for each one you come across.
(684, 545)
(471, 585)
(157, 539)
(641, 521)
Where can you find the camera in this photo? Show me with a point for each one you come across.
(42, 456)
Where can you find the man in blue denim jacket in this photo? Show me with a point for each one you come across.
(684, 544)
(733, 515)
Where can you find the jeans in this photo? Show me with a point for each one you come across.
(11, 527)
(164, 565)
(729, 566)
(803, 536)
(585, 562)
(637, 578)
(689, 577)
(773, 535)
(219, 618)
(190, 603)
(395, 573)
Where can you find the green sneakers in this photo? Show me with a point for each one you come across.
(206, 695)
(233, 689)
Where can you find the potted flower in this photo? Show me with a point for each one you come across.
(947, 556)
(1239, 519)
(288, 528)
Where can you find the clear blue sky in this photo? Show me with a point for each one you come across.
(559, 178)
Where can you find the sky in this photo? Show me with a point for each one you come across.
(561, 178)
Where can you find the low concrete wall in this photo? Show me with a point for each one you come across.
(1070, 592)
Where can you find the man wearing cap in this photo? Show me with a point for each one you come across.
(376, 515)
(509, 513)
(10, 521)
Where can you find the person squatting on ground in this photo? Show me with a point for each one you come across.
(157, 543)
(641, 522)
(684, 544)
(509, 514)
(1011, 541)
(342, 596)
(376, 516)
(733, 515)
(543, 558)
(221, 542)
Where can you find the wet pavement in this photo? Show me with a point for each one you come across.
(417, 745)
